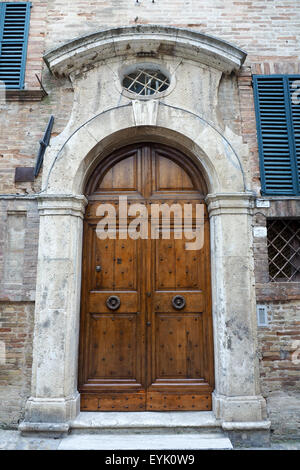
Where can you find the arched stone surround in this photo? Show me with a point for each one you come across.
(91, 136)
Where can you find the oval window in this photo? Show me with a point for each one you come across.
(145, 82)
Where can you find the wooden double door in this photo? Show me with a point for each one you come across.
(146, 338)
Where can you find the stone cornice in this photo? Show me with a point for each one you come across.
(144, 41)
(230, 203)
(61, 204)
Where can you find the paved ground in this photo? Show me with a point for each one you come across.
(11, 440)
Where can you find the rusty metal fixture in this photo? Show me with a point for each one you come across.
(178, 302)
(113, 302)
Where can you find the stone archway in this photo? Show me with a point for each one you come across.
(73, 155)
(70, 159)
(55, 398)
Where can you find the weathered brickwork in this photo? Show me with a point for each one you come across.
(279, 342)
(268, 291)
(279, 348)
(19, 144)
(16, 326)
(18, 256)
(268, 31)
(25, 229)
(263, 28)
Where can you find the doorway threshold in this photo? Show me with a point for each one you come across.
(148, 421)
(146, 430)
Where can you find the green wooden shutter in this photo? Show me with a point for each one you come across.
(294, 94)
(14, 28)
(278, 121)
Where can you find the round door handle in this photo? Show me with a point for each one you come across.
(113, 302)
(178, 302)
(148, 323)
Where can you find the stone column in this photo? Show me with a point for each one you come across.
(55, 399)
(237, 396)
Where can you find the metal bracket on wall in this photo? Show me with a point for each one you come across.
(43, 145)
(25, 174)
(41, 85)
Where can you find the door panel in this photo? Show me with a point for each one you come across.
(176, 267)
(195, 301)
(122, 176)
(177, 334)
(177, 346)
(116, 261)
(113, 339)
(147, 354)
(170, 176)
(129, 301)
(156, 401)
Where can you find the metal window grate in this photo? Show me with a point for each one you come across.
(144, 82)
(284, 250)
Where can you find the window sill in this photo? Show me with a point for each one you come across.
(25, 95)
(279, 197)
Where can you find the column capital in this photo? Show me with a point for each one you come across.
(230, 203)
(61, 204)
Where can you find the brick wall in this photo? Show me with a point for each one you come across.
(279, 342)
(268, 31)
(18, 257)
(263, 28)
(18, 249)
(279, 349)
(19, 143)
(16, 326)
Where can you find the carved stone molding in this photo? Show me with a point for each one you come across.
(144, 41)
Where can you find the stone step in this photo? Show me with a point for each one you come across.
(165, 441)
(146, 422)
(181, 430)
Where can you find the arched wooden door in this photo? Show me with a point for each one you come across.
(147, 354)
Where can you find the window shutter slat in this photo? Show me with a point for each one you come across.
(294, 91)
(14, 27)
(275, 135)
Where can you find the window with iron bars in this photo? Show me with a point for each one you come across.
(144, 82)
(284, 250)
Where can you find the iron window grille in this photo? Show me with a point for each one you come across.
(284, 250)
(277, 107)
(14, 30)
(145, 82)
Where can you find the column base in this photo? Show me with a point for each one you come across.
(247, 434)
(243, 419)
(239, 408)
(50, 416)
